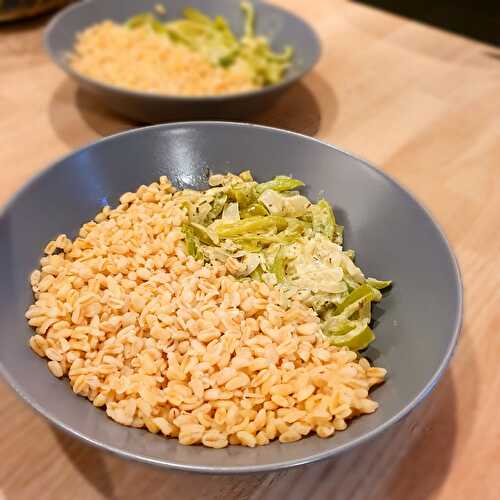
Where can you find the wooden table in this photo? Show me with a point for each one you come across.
(422, 104)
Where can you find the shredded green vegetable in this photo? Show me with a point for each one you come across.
(255, 209)
(193, 244)
(278, 266)
(281, 238)
(280, 183)
(250, 225)
(364, 292)
(323, 219)
(214, 39)
(378, 284)
(357, 339)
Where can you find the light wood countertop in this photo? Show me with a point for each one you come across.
(423, 105)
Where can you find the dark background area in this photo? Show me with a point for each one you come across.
(478, 19)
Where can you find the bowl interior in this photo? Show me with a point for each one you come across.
(281, 27)
(416, 324)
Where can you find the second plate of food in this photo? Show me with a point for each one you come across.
(182, 59)
(224, 287)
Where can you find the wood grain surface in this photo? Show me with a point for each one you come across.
(422, 104)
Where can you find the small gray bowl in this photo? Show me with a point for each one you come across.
(281, 27)
(417, 323)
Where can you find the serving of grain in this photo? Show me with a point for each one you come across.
(163, 341)
(140, 59)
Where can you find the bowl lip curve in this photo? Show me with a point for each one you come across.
(97, 85)
(256, 468)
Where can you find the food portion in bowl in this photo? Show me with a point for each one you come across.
(193, 56)
(225, 316)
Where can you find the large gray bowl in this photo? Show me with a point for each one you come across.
(417, 322)
(281, 27)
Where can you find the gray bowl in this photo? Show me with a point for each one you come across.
(417, 323)
(281, 27)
